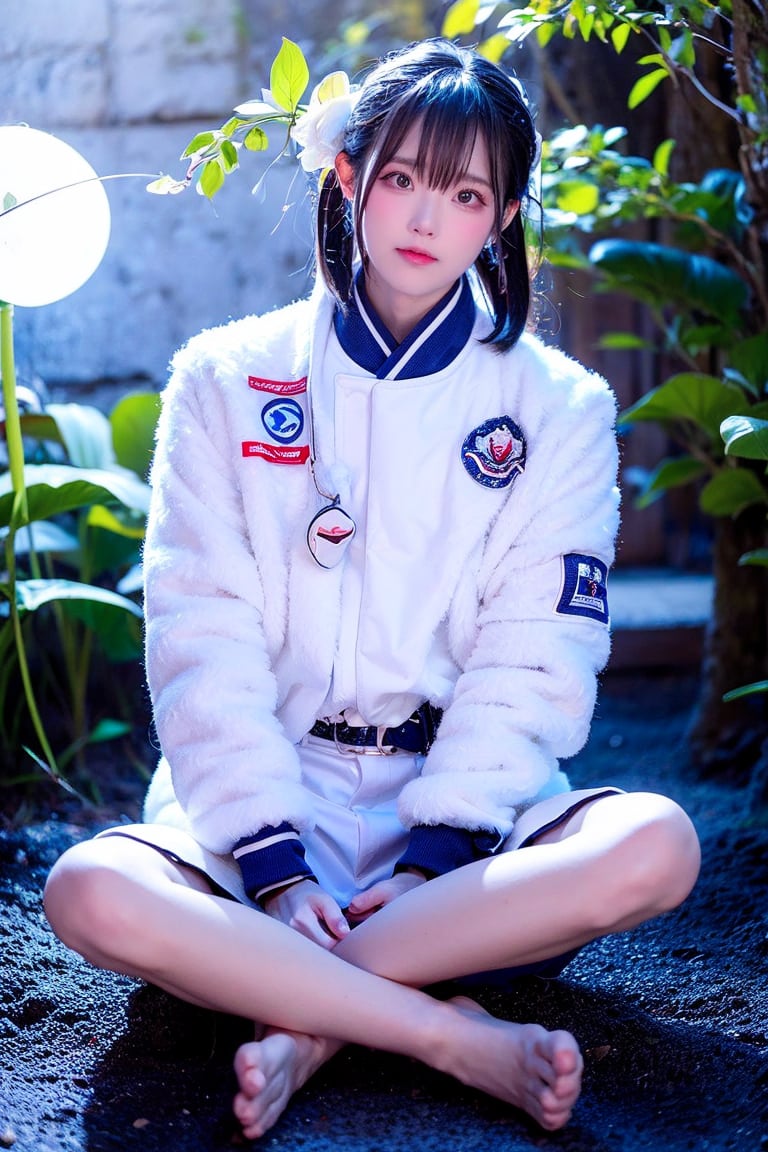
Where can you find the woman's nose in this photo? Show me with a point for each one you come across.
(424, 216)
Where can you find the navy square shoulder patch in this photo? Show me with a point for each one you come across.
(584, 589)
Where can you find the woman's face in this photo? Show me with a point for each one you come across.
(420, 239)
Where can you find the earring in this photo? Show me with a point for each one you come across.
(491, 253)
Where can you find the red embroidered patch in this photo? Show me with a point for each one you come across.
(276, 454)
(278, 387)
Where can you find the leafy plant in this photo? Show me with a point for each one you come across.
(72, 524)
(702, 274)
(213, 155)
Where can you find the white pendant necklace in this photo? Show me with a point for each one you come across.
(330, 530)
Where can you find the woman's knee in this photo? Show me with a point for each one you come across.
(657, 862)
(86, 900)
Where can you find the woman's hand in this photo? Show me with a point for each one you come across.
(366, 903)
(309, 910)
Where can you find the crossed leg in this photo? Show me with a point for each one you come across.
(125, 907)
(628, 859)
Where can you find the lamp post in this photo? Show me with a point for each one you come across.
(54, 231)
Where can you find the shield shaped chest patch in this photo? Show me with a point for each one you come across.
(494, 453)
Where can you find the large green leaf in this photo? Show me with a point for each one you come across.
(34, 594)
(745, 436)
(289, 76)
(115, 620)
(133, 421)
(670, 473)
(44, 536)
(750, 359)
(56, 488)
(85, 433)
(659, 275)
(731, 491)
(703, 400)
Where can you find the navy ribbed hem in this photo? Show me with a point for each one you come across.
(272, 857)
(437, 848)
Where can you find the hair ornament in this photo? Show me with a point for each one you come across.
(320, 130)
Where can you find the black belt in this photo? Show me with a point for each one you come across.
(416, 734)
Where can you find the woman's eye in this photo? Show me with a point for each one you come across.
(469, 196)
(397, 179)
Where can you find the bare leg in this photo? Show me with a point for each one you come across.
(630, 862)
(124, 907)
(628, 858)
(619, 861)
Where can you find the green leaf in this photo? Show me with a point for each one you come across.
(32, 595)
(658, 274)
(56, 488)
(459, 20)
(256, 140)
(166, 186)
(198, 143)
(758, 556)
(124, 524)
(260, 110)
(745, 436)
(661, 157)
(289, 76)
(673, 472)
(493, 48)
(579, 196)
(746, 690)
(133, 421)
(619, 36)
(702, 400)
(211, 178)
(622, 341)
(86, 434)
(643, 87)
(119, 632)
(109, 730)
(44, 536)
(731, 491)
(750, 358)
(228, 158)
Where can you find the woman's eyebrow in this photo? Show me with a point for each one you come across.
(472, 177)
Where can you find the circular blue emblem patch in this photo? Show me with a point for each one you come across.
(283, 420)
(494, 453)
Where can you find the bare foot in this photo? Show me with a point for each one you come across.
(270, 1070)
(523, 1064)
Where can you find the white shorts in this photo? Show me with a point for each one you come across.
(358, 838)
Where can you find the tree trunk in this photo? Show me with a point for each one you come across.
(728, 736)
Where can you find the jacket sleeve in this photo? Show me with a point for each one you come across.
(527, 690)
(213, 690)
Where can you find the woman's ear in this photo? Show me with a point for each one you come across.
(511, 210)
(346, 175)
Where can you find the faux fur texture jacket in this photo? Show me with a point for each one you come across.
(242, 625)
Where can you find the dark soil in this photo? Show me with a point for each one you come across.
(672, 1017)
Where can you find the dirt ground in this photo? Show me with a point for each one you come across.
(672, 1017)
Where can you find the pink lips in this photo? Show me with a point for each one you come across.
(416, 256)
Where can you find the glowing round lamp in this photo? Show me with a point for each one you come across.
(49, 244)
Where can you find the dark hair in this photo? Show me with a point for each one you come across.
(455, 94)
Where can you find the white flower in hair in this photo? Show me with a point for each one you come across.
(320, 131)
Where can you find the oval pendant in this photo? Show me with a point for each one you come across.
(329, 535)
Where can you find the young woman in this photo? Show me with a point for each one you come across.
(376, 609)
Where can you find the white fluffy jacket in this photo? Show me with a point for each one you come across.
(242, 625)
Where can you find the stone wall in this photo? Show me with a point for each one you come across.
(128, 83)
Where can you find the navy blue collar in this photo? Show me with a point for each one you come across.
(432, 345)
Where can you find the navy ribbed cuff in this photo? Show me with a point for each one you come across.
(437, 848)
(270, 858)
